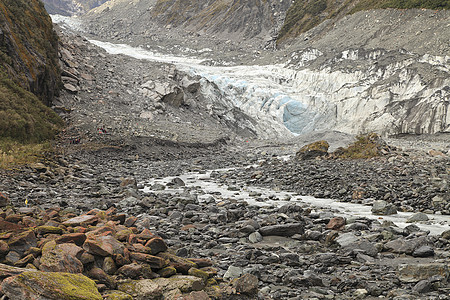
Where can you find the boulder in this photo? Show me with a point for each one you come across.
(103, 246)
(144, 289)
(417, 272)
(313, 150)
(383, 208)
(282, 230)
(50, 285)
(61, 258)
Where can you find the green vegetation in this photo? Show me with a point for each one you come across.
(306, 14)
(366, 146)
(29, 79)
(23, 117)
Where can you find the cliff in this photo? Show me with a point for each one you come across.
(29, 71)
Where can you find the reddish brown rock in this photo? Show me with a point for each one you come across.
(100, 276)
(81, 220)
(4, 200)
(103, 246)
(130, 221)
(4, 248)
(22, 242)
(14, 218)
(181, 264)
(336, 223)
(8, 226)
(133, 270)
(76, 238)
(247, 284)
(156, 245)
(155, 262)
(202, 262)
(61, 258)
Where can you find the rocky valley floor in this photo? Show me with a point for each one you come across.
(216, 193)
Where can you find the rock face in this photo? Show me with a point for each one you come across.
(29, 60)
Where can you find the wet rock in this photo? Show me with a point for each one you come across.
(50, 285)
(382, 207)
(418, 217)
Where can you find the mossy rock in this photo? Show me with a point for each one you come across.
(49, 229)
(313, 150)
(117, 295)
(50, 285)
(366, 146)
(199, 273)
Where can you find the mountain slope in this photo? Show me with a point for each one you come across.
(304, 15)
(29, 71)
(70, 7)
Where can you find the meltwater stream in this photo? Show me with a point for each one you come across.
(210, 188)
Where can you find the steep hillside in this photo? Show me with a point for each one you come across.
(234, 17)
(70, 7)
(29, 71)
(224, 19)
(306, 14)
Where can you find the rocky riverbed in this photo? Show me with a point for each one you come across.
(153, 162)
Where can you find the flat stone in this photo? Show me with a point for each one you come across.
(77, 238)
(282, 230)
(185, 283)
(346, 239)
(81, 220)
(384, 208)
(402, 245)
(155, 262)
(423, 251)
(418, 217)
(144, 289)
(233, 272)
(103, 246)
(416, 272)
(50, 285)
